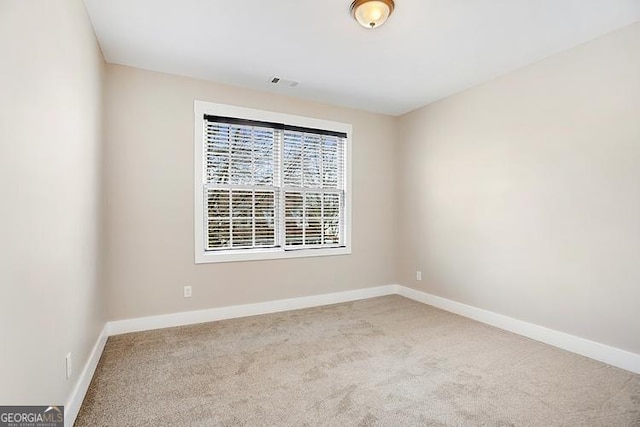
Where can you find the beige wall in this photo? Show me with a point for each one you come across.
(149, 214)
(522, 195)
(51, 74)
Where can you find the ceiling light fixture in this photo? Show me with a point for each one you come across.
(371, 13)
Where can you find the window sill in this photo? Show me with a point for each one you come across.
(266, 254)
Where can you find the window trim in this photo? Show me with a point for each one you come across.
(201, 255)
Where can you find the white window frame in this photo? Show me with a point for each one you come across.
(201, 255)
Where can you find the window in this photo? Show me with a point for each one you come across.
(269, 185)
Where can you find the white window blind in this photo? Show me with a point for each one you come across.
(272, 185)
(313, 187)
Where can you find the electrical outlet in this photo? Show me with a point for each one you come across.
(67, 360)
(418, 275)
(187, 292)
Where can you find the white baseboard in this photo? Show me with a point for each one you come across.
(72, 407)
(594, 350)
(611, 355)
(201, 316)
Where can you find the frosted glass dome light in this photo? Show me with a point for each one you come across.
(372, 13)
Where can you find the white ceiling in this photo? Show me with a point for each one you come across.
(427, 50)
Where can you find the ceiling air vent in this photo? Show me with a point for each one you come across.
(283, 82)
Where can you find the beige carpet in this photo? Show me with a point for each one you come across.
(385, 361)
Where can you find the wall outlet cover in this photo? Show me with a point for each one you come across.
(68, 370)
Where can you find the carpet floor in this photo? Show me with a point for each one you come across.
(385, 361)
